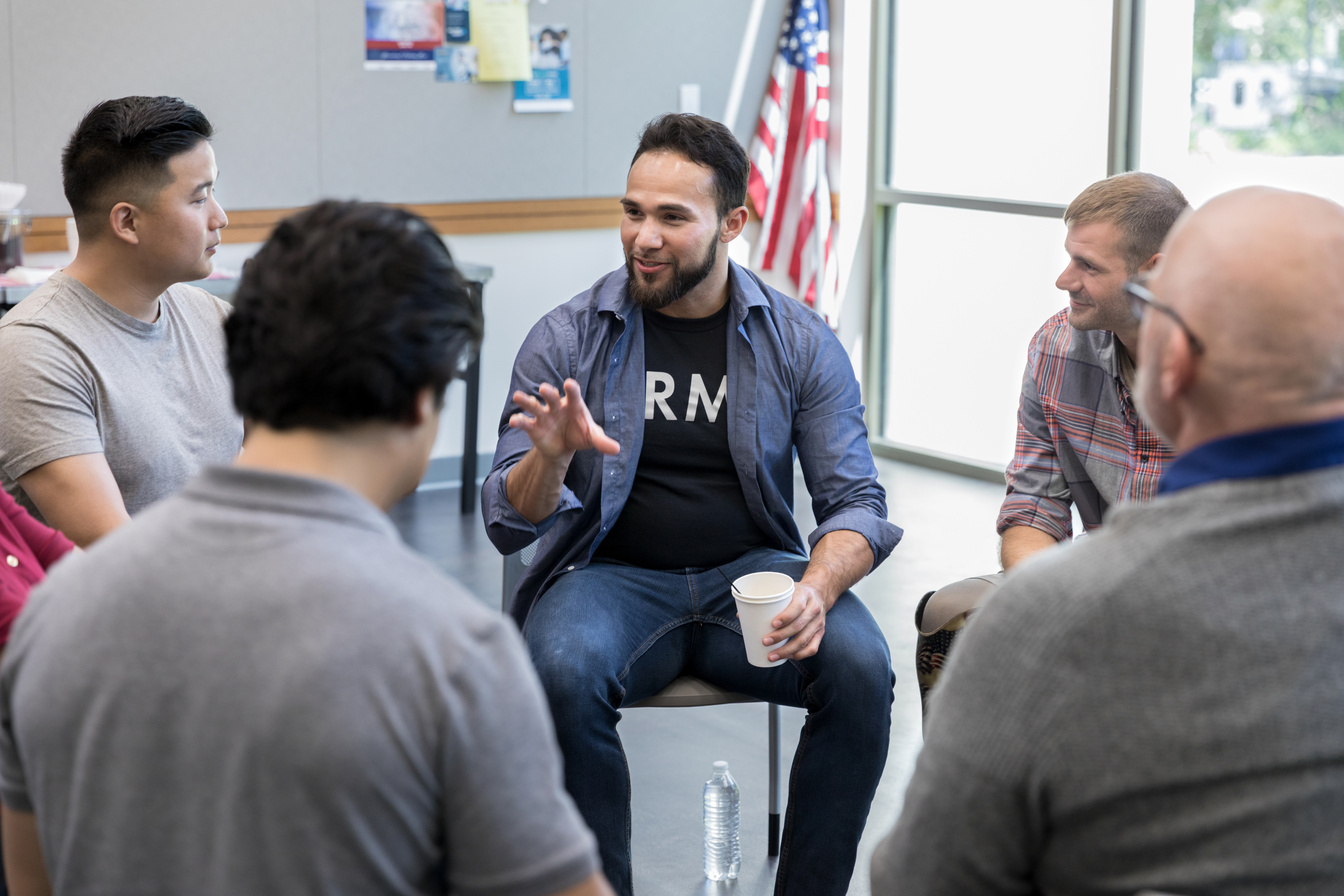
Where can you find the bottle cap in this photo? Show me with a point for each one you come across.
(720, 766)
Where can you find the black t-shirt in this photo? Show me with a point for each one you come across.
(686, 507)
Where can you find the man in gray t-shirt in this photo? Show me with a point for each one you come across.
(115, 392)
(255, 687)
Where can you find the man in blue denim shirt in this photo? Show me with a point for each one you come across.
(706, 383)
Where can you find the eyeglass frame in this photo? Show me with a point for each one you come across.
(1140, 298)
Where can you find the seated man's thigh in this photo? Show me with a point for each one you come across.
(611, 628)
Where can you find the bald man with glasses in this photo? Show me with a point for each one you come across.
(1157, 708)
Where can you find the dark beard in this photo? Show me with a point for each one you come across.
(655, 299)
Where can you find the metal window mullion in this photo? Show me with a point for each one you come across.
(969, 203)
(1122, 151)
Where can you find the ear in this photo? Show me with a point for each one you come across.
(1178, 366)
(427, 404)
(733, 223)
(124, 221)
(1151, 264)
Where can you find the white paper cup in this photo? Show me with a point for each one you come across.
(760, 597)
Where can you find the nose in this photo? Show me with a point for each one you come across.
(1068, 279)
(649, 236)
(218, 220)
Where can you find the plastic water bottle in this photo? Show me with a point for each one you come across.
(723, 854)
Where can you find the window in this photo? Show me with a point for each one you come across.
(998, 114)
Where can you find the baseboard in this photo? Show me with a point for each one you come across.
(947, 463)
(446, 472)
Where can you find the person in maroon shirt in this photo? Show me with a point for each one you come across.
(27, 551)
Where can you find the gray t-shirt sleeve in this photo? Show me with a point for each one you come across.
(47, 403)
(511, 829)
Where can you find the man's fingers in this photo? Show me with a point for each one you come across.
(803, 644)
(603, 442)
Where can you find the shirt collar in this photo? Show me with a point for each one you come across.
(1269, 452)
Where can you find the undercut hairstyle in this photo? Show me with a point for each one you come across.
(120, 153)
(705, 142)
(1142, 207)
(345, 314)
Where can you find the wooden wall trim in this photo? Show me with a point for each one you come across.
(449, 218)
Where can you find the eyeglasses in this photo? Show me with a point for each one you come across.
(1140, 299)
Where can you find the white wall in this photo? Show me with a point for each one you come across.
(534, 272)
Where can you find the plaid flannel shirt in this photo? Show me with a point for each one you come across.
(1079, 439)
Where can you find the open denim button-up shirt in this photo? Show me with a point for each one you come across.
(791, 389)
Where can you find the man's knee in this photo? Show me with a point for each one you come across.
(857, 660)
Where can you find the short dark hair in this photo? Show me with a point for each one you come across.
(1142, 207)
(705, 142)
(120, 151)
(347, 312)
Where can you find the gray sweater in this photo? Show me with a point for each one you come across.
(1159, 706)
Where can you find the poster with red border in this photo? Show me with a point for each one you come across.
(401, 35)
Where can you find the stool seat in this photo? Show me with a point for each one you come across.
(691, 691)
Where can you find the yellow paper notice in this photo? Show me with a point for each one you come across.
(499, 31)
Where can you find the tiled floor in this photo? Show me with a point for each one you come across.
(949, 534)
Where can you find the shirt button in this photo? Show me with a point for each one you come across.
(569, 569)
(12, 560)
(1143, 458)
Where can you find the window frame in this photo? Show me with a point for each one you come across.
(1122, 155)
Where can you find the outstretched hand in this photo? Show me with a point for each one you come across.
(559, 425)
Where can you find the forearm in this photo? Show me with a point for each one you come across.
(1020, 542)
(25, 869)
(534, 484)
(840, 559)
(77, 495)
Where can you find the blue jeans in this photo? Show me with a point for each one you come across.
(611, 634)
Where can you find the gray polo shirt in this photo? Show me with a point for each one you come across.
(256, 687)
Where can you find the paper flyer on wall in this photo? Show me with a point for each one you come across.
(457, 62)
(401, 35)
(499, 33)
(457, 21)
(548, 88)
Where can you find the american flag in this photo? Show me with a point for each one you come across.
(788, 182)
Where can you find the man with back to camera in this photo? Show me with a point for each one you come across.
(1158, 707)
(115, 388)
(1079, 440)
(255, 687)
(705, 382)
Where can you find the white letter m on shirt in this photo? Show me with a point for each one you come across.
(699, 395)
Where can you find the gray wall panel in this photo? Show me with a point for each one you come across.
(299, 118)
(7, 131)
(648, 49)
(250, 66)
(402, 136)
